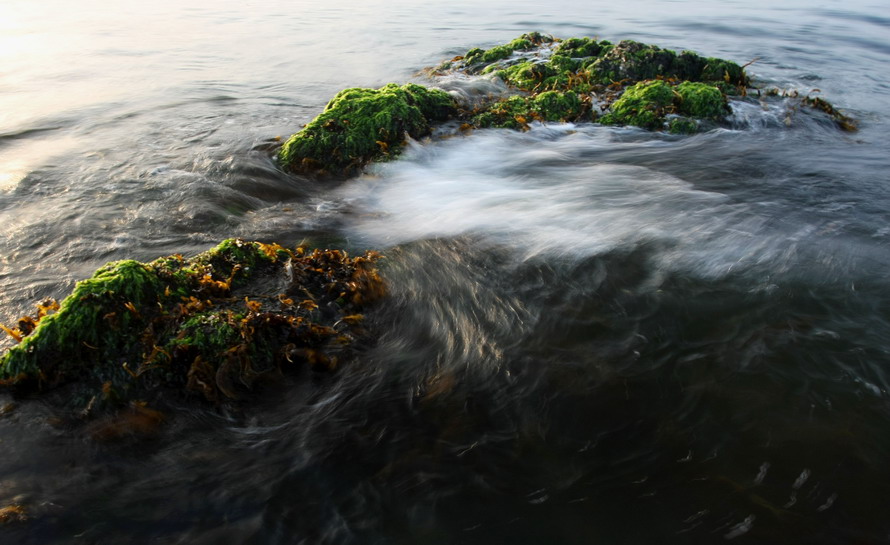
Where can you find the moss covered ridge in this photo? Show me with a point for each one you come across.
(554, 80)
(624, 83)
(215, 326)
(580, 79)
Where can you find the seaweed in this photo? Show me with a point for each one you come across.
(644, 105)
(479, 57)
(216, 325)
(517, 112)
(702, 101)
(362, 125)
(689, 84)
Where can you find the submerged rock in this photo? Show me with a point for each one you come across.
(213, 326)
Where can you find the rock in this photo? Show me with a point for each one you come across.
(517, 112)
(214, 326)
(363, 125)
(647, 104)
(572, 80)
(627, 83)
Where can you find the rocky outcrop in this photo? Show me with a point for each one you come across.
(215, 326)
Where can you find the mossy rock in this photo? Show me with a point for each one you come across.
(648, 103)
(215, 325)
(479, 58)
(581, 47)
(594, 63)
(682, 125)
(632, 61)
(517, 111)
(362, 125)
(359, 126)
(702, 101)
(620, 75)
(644, 105)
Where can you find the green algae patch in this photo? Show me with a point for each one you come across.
(555, 64)
(644, 105)
(363, 125)
(634, 61)
(631, 61)
(581, 47)
(617, 78)
(215, 326)
(648, 104)
(702, 101)
(682, 125)
(517, 111)
(82, 328)
(481, 58)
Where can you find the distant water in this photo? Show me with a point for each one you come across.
(594, 334)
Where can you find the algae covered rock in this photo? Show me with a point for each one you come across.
(633, 61)
(579, 79)
(362, 125)
(477, 59)
(628, 83)
(572, 80)
(516, 112)
(216, 325)
(643, 105)
(648, 103)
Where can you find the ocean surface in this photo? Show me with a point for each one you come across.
(594, 334)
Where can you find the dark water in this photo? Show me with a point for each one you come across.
(594, 334)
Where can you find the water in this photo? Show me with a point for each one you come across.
(593, 334)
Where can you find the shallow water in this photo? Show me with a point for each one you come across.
(593, 333)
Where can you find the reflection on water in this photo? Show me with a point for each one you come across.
(592, 333)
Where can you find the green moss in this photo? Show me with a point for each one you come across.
(688, 66)
(362, 125)
(642, 105)
(723, 71)
(527, 75)
(580, 47)
(612, 72)
(516, 112)
(564, 64)
(133, 328)
(583, 65)
(646, 104)
(234, 259)
(477, 56)
(702, 101)
(635, 83)
(88, 325)
(682, 125)
(556, 106)
(558, 74)
(630, 60)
